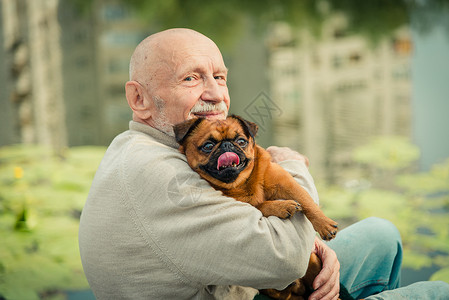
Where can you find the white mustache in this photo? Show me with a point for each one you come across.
(204, 106)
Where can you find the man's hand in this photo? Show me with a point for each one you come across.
(279, 154)
(327, 283)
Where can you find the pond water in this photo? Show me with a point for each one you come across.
(430, 82)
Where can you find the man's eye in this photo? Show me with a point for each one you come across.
(220, 78)
(189, 78)
(207, 147)
(242, 142)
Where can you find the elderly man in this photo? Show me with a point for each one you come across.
(153, 229)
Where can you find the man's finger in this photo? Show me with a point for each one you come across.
(331, 266)
(329, 290)
(327, 283)
(321, 277)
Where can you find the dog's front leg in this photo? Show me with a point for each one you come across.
(284, 186)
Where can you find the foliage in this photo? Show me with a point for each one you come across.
(223, 21)
(442, 275)
(417, 203)
(41, 197)
(387, 153)
(424, 17)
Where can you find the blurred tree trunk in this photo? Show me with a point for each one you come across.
(16, 98)
(31, 35)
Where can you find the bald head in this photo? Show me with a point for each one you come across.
(159, 49)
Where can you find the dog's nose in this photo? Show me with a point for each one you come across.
(227, 146)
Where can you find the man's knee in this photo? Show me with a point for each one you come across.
(441, 286)
(382, 230)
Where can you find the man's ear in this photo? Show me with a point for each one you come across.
(182, 130)
(136, 100)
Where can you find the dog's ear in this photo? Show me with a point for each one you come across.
(249, 127)
(184, 129)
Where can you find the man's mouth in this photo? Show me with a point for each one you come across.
(210, 114)
(209, 110)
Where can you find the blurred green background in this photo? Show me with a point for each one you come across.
(358, 86)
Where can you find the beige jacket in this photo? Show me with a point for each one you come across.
(151, 228)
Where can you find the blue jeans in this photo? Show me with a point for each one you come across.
(370, 255)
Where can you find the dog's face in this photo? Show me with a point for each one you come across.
(221, 151)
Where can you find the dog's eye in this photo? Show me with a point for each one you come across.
(242, 142)
(207, 147)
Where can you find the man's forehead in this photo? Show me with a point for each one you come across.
(200, 64)
(193, 60)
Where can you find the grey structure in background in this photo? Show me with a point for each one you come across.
(97, 46)
(337, 92)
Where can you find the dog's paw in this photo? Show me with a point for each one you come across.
(283, 209)
(327, 229)
(287, 208)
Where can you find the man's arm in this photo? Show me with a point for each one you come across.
(279, 154)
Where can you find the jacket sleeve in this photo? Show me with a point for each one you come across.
(207, 238)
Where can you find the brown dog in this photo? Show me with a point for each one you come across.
(225, 154)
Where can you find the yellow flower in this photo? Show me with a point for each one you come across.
(18, 172)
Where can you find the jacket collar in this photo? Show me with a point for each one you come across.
(158, 135)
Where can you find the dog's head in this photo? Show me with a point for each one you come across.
(221, 151)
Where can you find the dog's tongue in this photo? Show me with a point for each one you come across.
(227, 159)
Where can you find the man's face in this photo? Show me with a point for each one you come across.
(190, 81)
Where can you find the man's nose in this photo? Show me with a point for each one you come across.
(212, 91)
